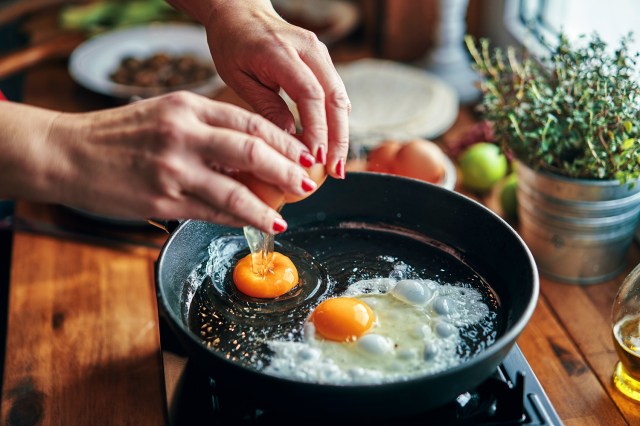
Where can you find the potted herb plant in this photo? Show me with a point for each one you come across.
(572, 122)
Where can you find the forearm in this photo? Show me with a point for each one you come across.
(26, 156)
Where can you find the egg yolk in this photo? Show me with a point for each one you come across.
(342, 319)
(280, 277)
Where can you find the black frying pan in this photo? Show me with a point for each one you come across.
(460, 225)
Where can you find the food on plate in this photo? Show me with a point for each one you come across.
(482, 165)
(416, 158)
(162, 70)
(380, 330)
(278, 279)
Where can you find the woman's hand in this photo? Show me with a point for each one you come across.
(168, 157)
(257, 53)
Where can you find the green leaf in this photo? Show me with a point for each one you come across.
(628, 143)
(628, 126)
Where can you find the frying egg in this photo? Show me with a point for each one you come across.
(342, 319)
(380, 330)
(280, 277)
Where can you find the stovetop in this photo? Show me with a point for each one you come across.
(512, 395)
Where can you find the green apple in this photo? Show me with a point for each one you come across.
(482, 165)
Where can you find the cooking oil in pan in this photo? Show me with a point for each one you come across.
(329, 259)
(626, 334)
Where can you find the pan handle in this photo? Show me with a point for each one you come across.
(167, 225)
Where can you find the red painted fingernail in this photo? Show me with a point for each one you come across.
(321, 156)
(340, 168)
(308, 184)
(306, 159)
(279, 225)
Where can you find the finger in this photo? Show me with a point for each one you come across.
(250, 153)
(193, 208)
(228, 116)
(267, 102)
(225, 194)
(337, 104)
(302, 86)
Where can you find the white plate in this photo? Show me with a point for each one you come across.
(390, 99)
(93, 61)
(393, 100)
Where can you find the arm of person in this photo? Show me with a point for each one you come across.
(165, 157)
(257, 53)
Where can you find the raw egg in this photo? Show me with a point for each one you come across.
(342, 319)
(279, 279)
(420, 159)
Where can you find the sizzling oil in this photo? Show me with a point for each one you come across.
(328, 261)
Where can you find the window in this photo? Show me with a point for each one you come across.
(529, 21)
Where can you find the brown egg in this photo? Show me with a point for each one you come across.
(318, 173)
(419, 159)
(272, 195)
(356, 165)
(380, 158)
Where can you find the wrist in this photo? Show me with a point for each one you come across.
(24, 134)
(228, 11)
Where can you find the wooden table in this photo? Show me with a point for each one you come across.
(83, 341)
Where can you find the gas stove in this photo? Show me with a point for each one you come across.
(512, 395)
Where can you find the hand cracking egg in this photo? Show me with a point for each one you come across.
(380, 330)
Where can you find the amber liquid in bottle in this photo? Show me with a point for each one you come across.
(626, 333)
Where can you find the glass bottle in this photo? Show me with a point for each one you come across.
(625, 319)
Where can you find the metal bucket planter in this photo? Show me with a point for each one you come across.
(578, 230)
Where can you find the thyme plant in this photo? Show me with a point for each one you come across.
(575, 113)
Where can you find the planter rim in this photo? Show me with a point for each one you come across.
(573, 180)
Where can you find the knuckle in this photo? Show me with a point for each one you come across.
(313, 90)
(293, 174)
(318, 129)
(255, 124)
(177, 99)
(253, 148)
(310, 38)
(236, 199)
(338, 98)
(341, 145)
(168, 130)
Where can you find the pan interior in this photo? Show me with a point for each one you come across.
(329, 257)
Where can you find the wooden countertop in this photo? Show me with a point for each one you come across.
(83, 341)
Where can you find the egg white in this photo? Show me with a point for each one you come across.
(416, 332)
